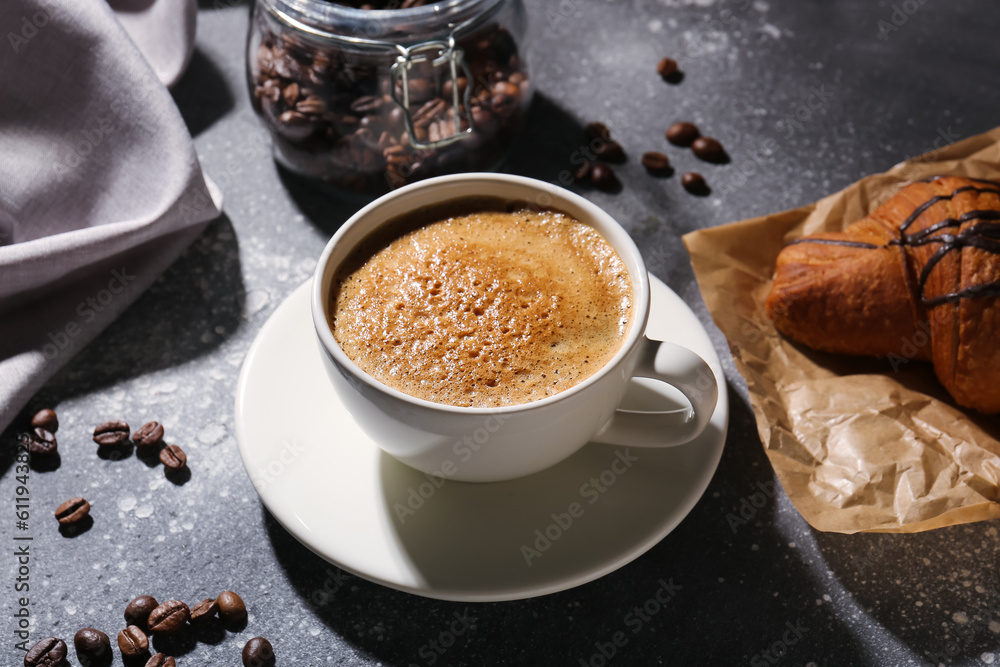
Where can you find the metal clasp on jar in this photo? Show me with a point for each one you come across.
(446, 52)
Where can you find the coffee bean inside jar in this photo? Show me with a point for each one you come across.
(367, 100)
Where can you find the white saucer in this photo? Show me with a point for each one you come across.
(338, 494)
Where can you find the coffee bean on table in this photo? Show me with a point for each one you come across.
(161, 660)
(597, 130)
(132, 642)
(72, 512)
(258, 652)
(204, 610)
(137, 611)
(111, 433)
(610, 151)
(603, 177)
(582, 172)
(683, 134)
(91, 643)
(709, 150)
(666, 68)
(168, 618)
(148, 435)
(173, 457)
(42, 442)
(694, 183)
(232, 610)
(47, 419)
(47, 652)
(655, 162)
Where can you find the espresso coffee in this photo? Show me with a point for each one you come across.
(482, 303)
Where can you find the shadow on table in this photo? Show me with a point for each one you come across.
(551, 143)
(703, 595)
(202, 94)
(188, 312)
(326, 208)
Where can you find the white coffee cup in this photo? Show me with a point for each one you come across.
(494, 444)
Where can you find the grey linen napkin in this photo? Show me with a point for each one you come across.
(163, 30)
(100, 186)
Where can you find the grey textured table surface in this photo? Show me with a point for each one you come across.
(813, 83)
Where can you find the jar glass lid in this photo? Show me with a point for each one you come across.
(382, 28)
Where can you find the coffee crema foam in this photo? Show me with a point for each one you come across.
(486, 308)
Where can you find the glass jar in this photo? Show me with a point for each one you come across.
(366, 100)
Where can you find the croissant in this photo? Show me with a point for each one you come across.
(919, 278)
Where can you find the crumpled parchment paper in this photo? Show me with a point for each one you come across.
(858, 444)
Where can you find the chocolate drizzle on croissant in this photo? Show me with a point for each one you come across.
(919, 277)
(985, 236)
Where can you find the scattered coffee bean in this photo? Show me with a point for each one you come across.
(258, 652)
(655, 162)
(173, 457)
(709, 150)
(694, 183)
(597, 130)
(48, 652)
(603, 177)
(667, 67)
(167, 618)
(137, 611)
(91, 643)
(232, 610)
(47, 419)
(148, 435)
(683, 134)
(160, 660)
(132, 642)
(204, 610)
(111, 433)
(582, 172)
(72, 512)
(42, 442)
(610, 151)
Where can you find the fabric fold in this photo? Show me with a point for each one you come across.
(100, 185)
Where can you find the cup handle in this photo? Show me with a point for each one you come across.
(682, 369)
